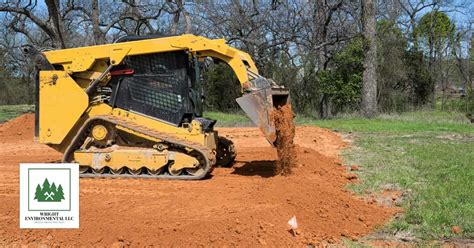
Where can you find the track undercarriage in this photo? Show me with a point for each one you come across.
(107, 146)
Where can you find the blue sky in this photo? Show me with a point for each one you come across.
(463, 13)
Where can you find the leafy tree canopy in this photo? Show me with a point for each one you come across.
(436, 28)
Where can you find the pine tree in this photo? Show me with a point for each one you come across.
(60, 193)
(46, 186)
(53, 188)
(45, 191)
(54, 191)
(38, 193)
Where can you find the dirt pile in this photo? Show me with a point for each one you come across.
(18, 129)
(246, 205)
(285, 133)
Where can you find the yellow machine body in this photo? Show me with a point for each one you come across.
(67, 108)
(62, 103)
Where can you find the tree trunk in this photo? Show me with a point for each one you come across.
(369, 84)
(322, 16)
(319, 37)
(414, 34)
(99, 36)
(187, 17)
(54, 14)
(431, 64)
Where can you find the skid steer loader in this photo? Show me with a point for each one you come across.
(133, 108)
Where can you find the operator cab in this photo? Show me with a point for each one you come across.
(161, 85)
(164, 85)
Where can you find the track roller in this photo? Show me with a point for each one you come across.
(154, 172)
(135, 171)
(117, 171)
(98, 171)
(83, 169)
(174, 172)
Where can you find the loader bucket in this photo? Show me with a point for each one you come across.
(259, 103)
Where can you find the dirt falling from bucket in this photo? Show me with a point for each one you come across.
(285, 132)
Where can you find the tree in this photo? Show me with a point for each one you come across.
(221, 87)
(343, 83)
(46, 186)
(298, 43)
(60, 193)
(177, 9)
(38, 192)
(53, 188)
(369, 83)
(52, 26)
(469, 84)
(466, 68)
(412, 8)
(437, 34)
(323, 13)
(391, 68)
(418, 78)
(436, 30)
(463, 55)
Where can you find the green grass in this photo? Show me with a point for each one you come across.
(424, 121)
(229, 120)
(436, 168)
(8, 112)
(428, 155)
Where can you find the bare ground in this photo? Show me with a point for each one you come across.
(246, 205)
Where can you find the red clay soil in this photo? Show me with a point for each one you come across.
(246, 205)
(285, 134)
(19, 129)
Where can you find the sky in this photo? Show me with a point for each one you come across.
(463, 13)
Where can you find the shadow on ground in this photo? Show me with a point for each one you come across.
(263, 168)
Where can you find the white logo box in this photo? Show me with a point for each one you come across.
(62, 213)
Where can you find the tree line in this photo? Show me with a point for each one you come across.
(335, 56)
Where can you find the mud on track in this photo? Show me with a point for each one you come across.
(242, 206)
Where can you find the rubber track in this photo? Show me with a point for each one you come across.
(204, 151)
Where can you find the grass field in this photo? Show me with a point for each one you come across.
(11, 111)
(229, 120)
(427, 155)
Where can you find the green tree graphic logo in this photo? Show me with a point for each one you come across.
(49, 192)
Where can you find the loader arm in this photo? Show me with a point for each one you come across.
(260, 95)
(84, 58)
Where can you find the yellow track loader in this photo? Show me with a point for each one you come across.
(133, 108)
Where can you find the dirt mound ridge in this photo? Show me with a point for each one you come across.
(21, 128)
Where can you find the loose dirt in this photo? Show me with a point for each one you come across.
(285, 134)
(247, 205)
(18, 129)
